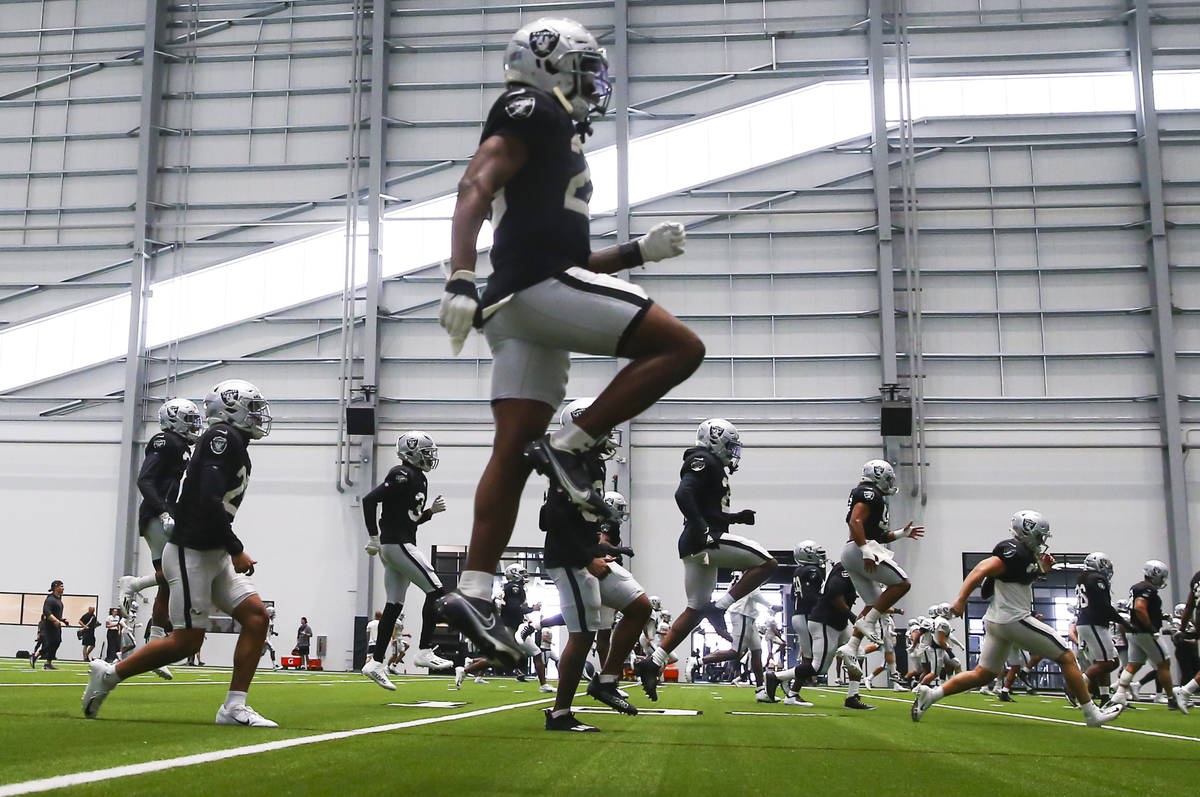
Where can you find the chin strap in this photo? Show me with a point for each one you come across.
(584, 128)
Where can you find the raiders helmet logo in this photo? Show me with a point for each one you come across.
(520, 107)
(229, 397)
(697, 464)
(218, 444)
(715, 432)
(412, 443)
(160, 442)
(543, 42)
(1029, 524)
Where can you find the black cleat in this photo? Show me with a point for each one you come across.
(608, 695)
(521, 677)
(770, 684)
(647, 672)
(854, 701)
(716, 618)
(567, 722)
(479, 620)
(565, 469)
(1005, 696)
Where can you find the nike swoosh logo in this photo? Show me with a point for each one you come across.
(241, 722)
(576, 495)
(488, 623)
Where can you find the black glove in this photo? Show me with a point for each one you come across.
(604, 549)
(746, 516)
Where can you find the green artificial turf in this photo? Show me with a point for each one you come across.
(824, 750)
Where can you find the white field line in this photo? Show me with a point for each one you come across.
(1110, 727)
(97, 775)
(256, 684)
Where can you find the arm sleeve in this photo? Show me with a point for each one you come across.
(145, 482)
(369, 502)
(686, 498)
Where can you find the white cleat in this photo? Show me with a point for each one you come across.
(479, 679)
(795, 700)
(431, 660)
(1182, 701)
(1106, 714)
(869, 631)
(459, 674)
(126, 596)
(762, 697)
(243, 715)
(378, 673)
(624, 695)
(547, 689)
(849, 658)
(97, 688)
(922, 702)
(164, 673)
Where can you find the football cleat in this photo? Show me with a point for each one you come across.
(98, 687)
(606, 693)
(479, 679)
(922, 702)
(521, 677)
(716, 618)
(854, 701)
(1106, 714)
(565, 470)
(1005, 696)
(849, 658)
(796, 700)
(378, 673)
(479, 620)
(431, 660)
(869, 631)
(243, 715)
(459, 674)
(770, 684)
(1181, 702)
(567, 722)
(647, 672)
(126, 597)
(547, 689)
(163, 672)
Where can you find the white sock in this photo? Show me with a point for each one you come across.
(572, 438)
(235, 699)
(145, 582)
(607, 679)
(157, 632)
(852, 688)
(853, 644)
(871, 617)
(937, 694)
(561, 712)
(785, 675)
(1125, 680)
(1190, 688)
(475, 584)
(659, 656)
(724, 602)
(111, 678)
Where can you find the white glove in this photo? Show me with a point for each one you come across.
(438, 505)
(663, 241)
(168, 522)
(459, 303)
(372, 546)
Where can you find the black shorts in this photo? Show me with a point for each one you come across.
(302, 651)
(88, 639)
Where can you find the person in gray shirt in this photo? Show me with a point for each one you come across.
(303, 636)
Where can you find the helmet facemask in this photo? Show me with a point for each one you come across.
(258, 416)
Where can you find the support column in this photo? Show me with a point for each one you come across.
(141, 272)
(1179, 553)
(619, 66)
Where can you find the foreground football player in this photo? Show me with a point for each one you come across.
(394, 541)
(1145, 644)
(548, 296)
(706, 544)
(158, 481)
(870, 564)
(1189, 623)
(1094, 618)
(1007, 577)
(206, 566)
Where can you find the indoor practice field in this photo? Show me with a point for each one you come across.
(1030, 747)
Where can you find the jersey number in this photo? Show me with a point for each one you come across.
(414, 514)
(579, 193)
(1081, 596)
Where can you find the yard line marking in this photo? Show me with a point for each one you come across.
(206, 683)
(1139, 731)
(97, 775)
(772, 714)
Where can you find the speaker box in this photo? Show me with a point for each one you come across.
(360, 420)
(895, 419)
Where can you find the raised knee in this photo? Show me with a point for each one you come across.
(692, 351)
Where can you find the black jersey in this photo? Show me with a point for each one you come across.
(837, 585)
(703, 498)
(1154, 612)
(806, 588)
(1094, 597)
(211, 491)
(571, 538)
(158, 480)
(402, 493)
(1195, 589)
(540, 217)
(513, 611)
(877, 525)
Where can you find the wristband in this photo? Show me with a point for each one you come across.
(631, 255)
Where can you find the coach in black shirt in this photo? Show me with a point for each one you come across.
(52, 624)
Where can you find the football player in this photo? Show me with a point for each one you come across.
(746, 637)
(775, 642)
(887, 636)
(267, 646)
(1145, 644)
(806, 589)
(706, 544)
(1189, 624)
(206, 566)
(393, 538)
(548, 296)
(829, 626)
(512, 613)
(866, 559)
(167, 455)
(1007, 577)
(1096, 615)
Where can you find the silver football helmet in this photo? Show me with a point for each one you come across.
(607, 445)
(1032, 529)
(1156, 573)
(1178, 612)
(515, 574)
(721, 437)
(241, 405)
(417, 449)
(1100, 563)
(945, 610)
(808, 552)
(880, 473)
(271, 612)
(655, 603)
(932, 611)
(561, 57)
(620, 506)
(181, 416)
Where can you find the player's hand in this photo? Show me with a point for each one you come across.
(168, 522)
(665, 240)
(598, 567)
(958, 608)
(242, 563)
(438, 505)
(1047, 562)
(459, 303)
(372, 546)
(746, 517)
(915, 532)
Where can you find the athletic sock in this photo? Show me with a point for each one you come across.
(872, 616)
(234, 699)
(475, 584)
(572, 438)
(659, 656)
(1125, 680)
(387, 622)
(428, 621)
(1190, 688)
(157, 632)
(937, 694)
(144, 582)
(604, 678)
(560, 712)
(853, 688)
(724, 602)
(786, 675)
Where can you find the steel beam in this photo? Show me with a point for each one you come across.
(1179, 537)
(125, 539)
(620, 68)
